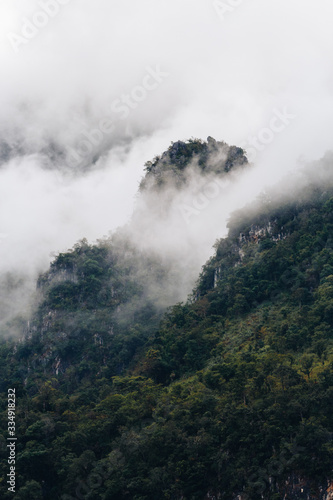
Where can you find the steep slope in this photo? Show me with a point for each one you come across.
(112, 294)
(229, 396)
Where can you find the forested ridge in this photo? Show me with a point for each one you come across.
(228, 395)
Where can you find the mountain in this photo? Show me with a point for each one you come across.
(227, 395)
(172, 167)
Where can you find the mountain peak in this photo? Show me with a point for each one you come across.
(209, 156)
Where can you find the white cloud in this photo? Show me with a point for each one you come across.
(225, 79)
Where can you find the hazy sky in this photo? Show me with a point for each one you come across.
(119, 80)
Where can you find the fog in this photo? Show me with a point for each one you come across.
(91, 91)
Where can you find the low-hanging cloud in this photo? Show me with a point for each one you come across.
(83, 61)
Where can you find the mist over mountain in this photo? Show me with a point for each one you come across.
(237, 376)
(166, 325)
(91, 93)
(159, 223)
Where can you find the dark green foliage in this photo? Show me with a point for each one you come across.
(210, 157)
(231, 393)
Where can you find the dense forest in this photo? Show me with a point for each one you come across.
(228, 395)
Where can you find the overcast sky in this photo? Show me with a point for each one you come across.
(117, 81)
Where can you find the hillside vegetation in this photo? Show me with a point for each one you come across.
(226, 396)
